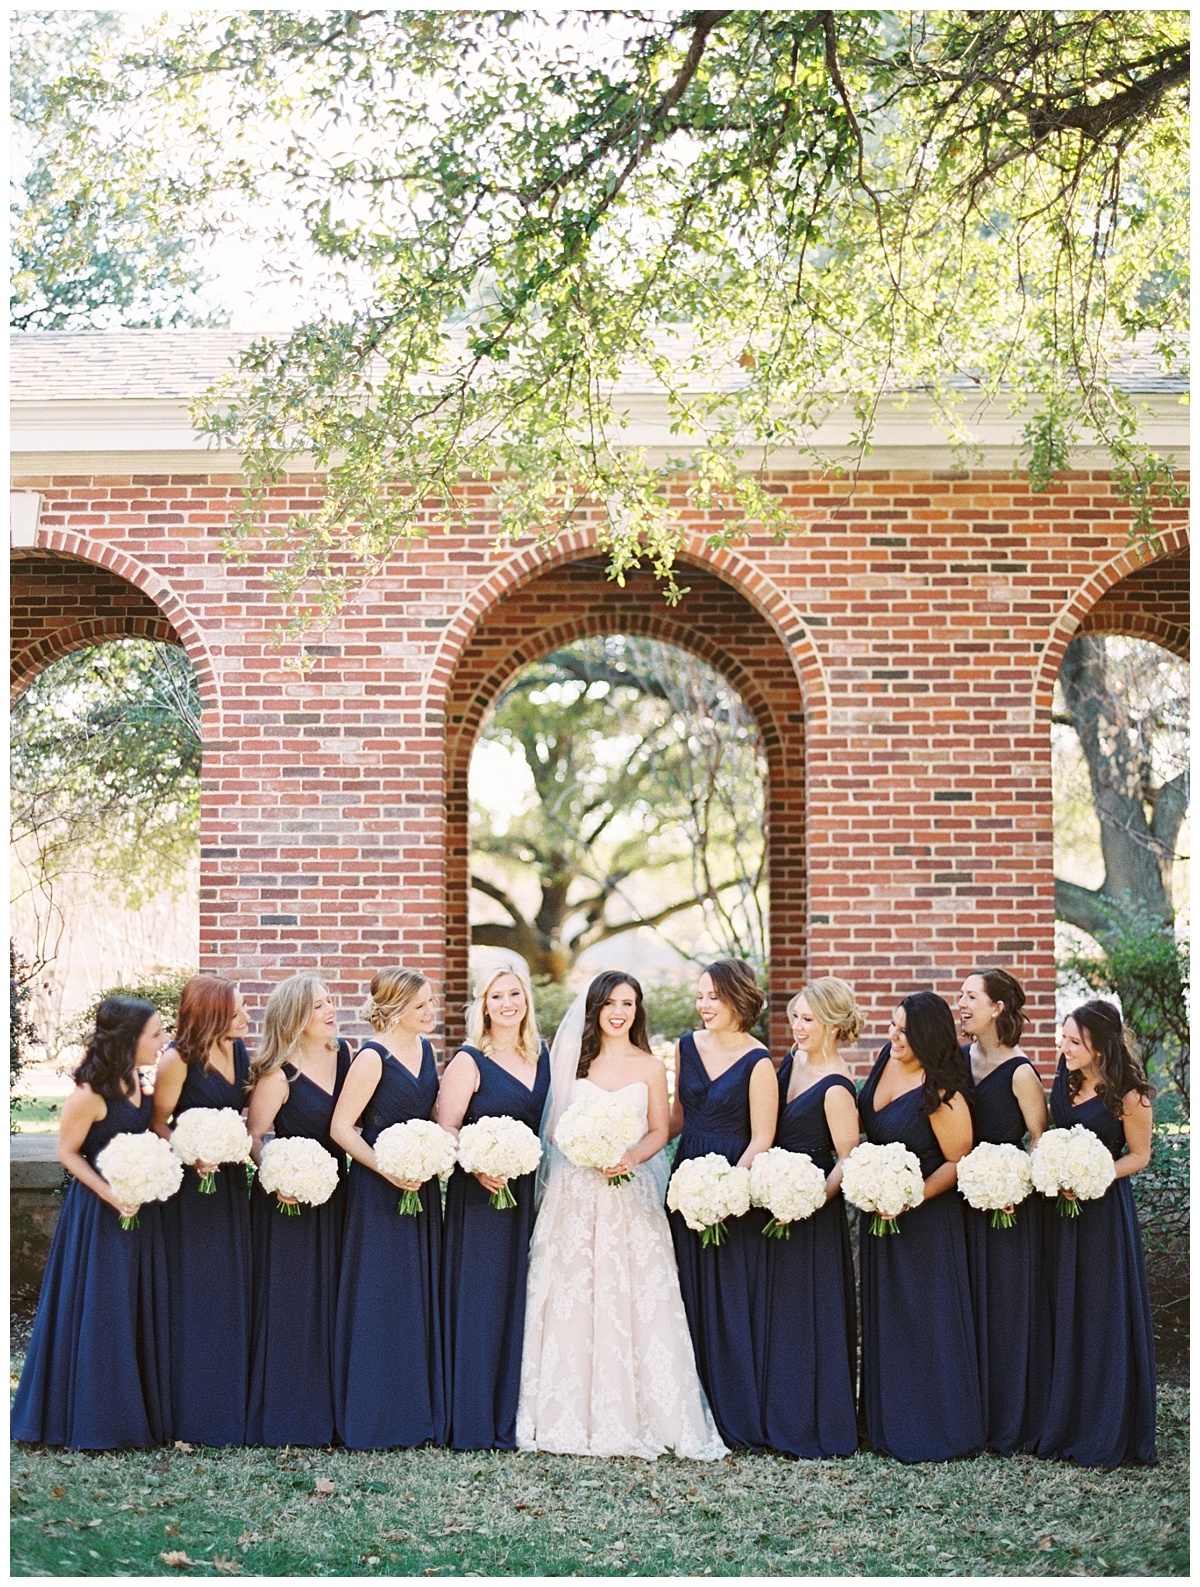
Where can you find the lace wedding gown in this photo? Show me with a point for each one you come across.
(607, 1367)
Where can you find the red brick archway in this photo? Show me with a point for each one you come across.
(575, 600)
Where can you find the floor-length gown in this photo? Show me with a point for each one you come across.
(484, 1270)
(1009, 1294)
(808, 1403)
(1102, 1386)
(607, 1367)
(389, 1389)
(96, 1374)
(920, 1374)
(724, 1286)
(208, 1276)
(296, 1264)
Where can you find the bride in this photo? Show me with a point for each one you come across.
(607, 1366)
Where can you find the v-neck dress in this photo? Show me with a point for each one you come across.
(1102, 1388)
(96, 1374)
(920, 1373)
(208, 1275)
(296, 1262)
(724, 1286)
(484, 1269)
(808, 1406)
(389, 1389)
(1009, 1293)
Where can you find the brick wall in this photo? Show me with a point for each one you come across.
(900, 653)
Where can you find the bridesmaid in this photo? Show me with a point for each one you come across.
(207, 1236)
(920, 1376)
(808, 1405)
(726, 1101)
(296, 1080)
(502, 1068)
(1101, 1409)
(96, 1373)
(387, 1350)
(1008, 1287)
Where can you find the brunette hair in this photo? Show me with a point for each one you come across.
(391, 993)
(737, 985)
(479, 1021)
(108, 1058)
(930, 1031)
(206, 1007)
(289, 1009)
(1004, 988)
(833, 1002)
(598, 993)
(1117, 1056)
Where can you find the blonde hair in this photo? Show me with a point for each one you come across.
(391, 993)
(289, 1009)
(833, 1002)
(479, 1022)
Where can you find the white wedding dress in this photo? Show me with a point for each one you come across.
(607, 1366)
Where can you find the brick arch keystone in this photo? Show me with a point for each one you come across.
(531, 561)
(177, 624)
(1073, 612)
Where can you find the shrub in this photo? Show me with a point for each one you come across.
(163, 990)
(1163, 1199)
(21, 1030)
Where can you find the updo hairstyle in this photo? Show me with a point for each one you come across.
(1004, 988)
(108, 1059)
(833, 1002)
(736, 984)
(391, 993)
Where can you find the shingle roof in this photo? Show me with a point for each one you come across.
(106, 366)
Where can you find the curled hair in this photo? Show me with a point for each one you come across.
(479, 1023)
(109, 1059)
(930, 1031)
(289, 1009)
(833, 1002)
(206, 1008)
(391, 993)
(1004, 988)
(598, 993)
(736, 984)
(1117, 1056)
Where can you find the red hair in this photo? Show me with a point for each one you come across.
(206, 1007)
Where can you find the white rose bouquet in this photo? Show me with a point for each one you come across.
(789, 1185)
(296, 1165)
(884, 1180)
(707, 1190)
(415, 1149)
(210, 1135)
(502, 1148)
(996, 1177)
(140, 1168)
(1072, 1160)
(596, 1131)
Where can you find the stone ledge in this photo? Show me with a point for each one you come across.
(33, 1163)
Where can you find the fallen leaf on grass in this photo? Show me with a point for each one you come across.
(323, 1485)
(431, 1570)
(1042, 1544)
(176, 1556)
(184, 1449)
(226, 1566)
(93, 1523)
(58, 1493)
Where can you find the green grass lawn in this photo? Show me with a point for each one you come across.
(37, 1115)
(269, 1512)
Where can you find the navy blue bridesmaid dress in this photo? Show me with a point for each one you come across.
(920, 1375)
(96, 1375)
(296, 1262)
(808, 1404)
(1102, 1386)
(724, 1286)
(208, 1278)
(1008, 1286)
(483, 1274)
(389, 1389)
